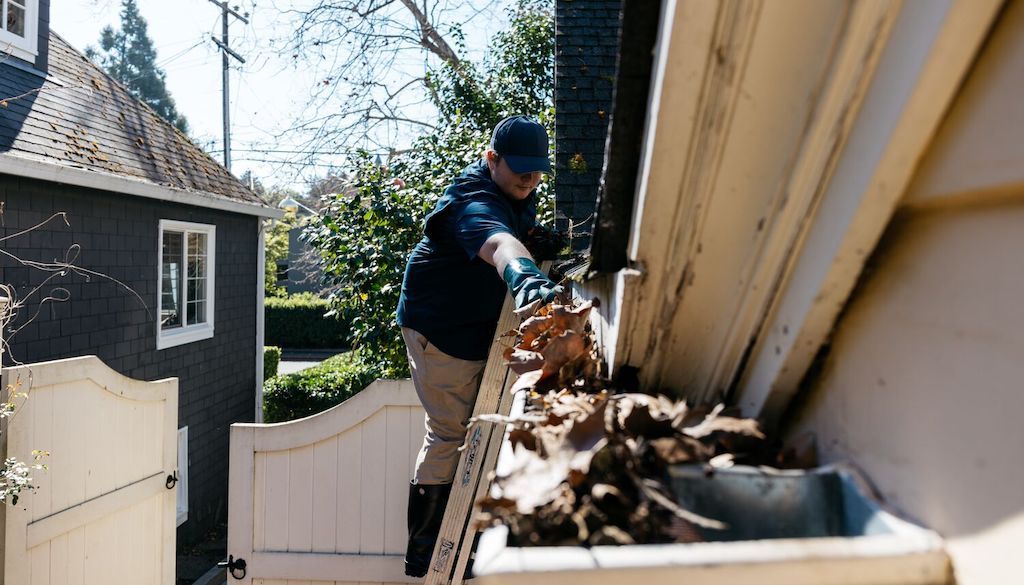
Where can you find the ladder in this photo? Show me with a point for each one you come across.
(479, 457)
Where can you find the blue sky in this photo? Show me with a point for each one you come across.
(268, 92)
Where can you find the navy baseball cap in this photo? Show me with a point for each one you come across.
(523, 143)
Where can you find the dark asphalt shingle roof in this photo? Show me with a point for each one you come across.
(80, 117)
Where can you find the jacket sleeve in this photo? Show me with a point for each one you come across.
(476, 221)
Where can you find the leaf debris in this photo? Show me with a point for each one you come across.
(590, 464)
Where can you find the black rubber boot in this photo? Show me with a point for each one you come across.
(426, 511)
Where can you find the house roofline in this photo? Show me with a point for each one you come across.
(34, 169)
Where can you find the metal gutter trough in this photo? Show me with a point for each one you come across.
(818, 527)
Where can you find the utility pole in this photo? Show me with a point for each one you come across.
(225, 51)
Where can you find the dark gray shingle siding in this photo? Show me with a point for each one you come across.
(586, 45)
(118, 237)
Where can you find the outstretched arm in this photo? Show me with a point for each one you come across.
(502, 248)
(526, 282)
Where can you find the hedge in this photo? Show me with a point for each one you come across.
(298, 321)
(271, 358)
(316, 389)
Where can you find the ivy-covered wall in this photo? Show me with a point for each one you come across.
(586, 45)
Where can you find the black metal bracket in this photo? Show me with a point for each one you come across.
(172, 480)
(233, 565)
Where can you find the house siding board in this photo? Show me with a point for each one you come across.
(586, 45)
(118, 236)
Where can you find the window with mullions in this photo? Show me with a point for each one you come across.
(186, 283)
(18, 26)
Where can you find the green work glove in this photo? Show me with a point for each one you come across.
(528, 284)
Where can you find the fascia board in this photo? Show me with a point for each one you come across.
(931, 49)
(46, 171)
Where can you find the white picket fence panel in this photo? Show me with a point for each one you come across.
(323, 499)
(102, 514)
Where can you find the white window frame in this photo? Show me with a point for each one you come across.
(22, 48)
(186, 333)
(181, 495)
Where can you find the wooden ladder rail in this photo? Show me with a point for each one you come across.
(455, 539)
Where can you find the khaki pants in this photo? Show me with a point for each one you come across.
(447, 388)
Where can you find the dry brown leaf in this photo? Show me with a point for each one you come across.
(522, 361)
(652, 489)
(560, 350)
(726, 424)
(674, 450)
(610, 535)
(641, 415)
(568, 318)
(522, 437)
(532, 328)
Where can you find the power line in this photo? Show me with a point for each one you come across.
(310, 152)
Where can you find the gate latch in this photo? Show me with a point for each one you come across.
(172, 480)
(233, 565)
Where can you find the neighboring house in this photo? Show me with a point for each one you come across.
(820, 219)
(149, 209)
(301, 270)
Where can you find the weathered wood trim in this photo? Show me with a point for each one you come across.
(931, 48)
(703, 51)
(866, 30)
(21, 166)
(336, 420)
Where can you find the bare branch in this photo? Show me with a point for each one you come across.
(401, 119)
(430, 38)
(359, 51)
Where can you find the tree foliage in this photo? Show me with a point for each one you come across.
(128, 56)
(364, 234)
(275, 245)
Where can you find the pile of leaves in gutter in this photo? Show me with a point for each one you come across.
(590, 464)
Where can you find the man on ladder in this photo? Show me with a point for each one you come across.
(454, 287)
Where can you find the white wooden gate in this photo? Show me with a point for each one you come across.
(102, 513)
(324, 498)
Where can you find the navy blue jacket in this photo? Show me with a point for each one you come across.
(449, 294)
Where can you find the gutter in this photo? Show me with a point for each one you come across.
(34, 169)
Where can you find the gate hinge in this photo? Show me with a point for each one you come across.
(233, 565)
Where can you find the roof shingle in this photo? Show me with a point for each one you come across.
(80, 117)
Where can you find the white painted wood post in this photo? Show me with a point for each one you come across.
(3, 325)
(261, 254)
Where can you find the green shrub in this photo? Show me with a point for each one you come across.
(271, 358)
(298, 321)
(316, 389)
